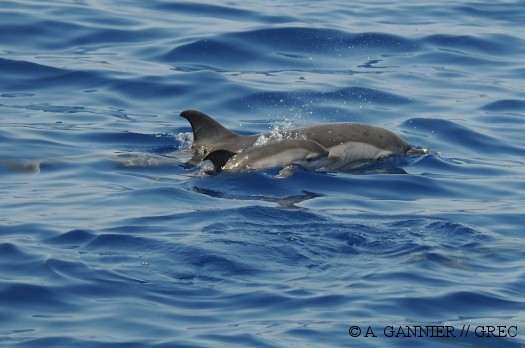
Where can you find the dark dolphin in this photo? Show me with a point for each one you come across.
(349, 144)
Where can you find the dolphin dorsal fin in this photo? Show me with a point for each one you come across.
(206, 129)
(219, 158)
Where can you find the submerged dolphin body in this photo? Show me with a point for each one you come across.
(274, 154)
(349, 144)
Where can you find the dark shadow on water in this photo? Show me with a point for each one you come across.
(282, 202)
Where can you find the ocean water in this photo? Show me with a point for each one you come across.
(108, 240)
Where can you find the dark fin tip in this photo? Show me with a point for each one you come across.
(219, 158)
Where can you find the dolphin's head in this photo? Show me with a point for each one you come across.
(311, 155)
(307, 153)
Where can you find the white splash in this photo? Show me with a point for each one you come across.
(278, 133)
(185, 140)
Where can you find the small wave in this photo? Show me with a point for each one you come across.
(214, 53)
(16, 95)
(24, 75)
(505, 105)
(74, 237)
(490, 45)
(13, 252)
(20, 68)
(299, 99)
(282, 47)
(111, 241)
(461, 136)
(468, 303)
(23, 296)
(298, 39)
(70, 109)
(512, 12)
(220, 11)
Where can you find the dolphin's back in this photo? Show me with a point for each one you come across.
(330, 135)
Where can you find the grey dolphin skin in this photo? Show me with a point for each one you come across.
(349, 144)
(274, 154)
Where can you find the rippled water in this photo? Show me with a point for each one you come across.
(108, 239)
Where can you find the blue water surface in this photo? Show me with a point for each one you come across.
(107, 239)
